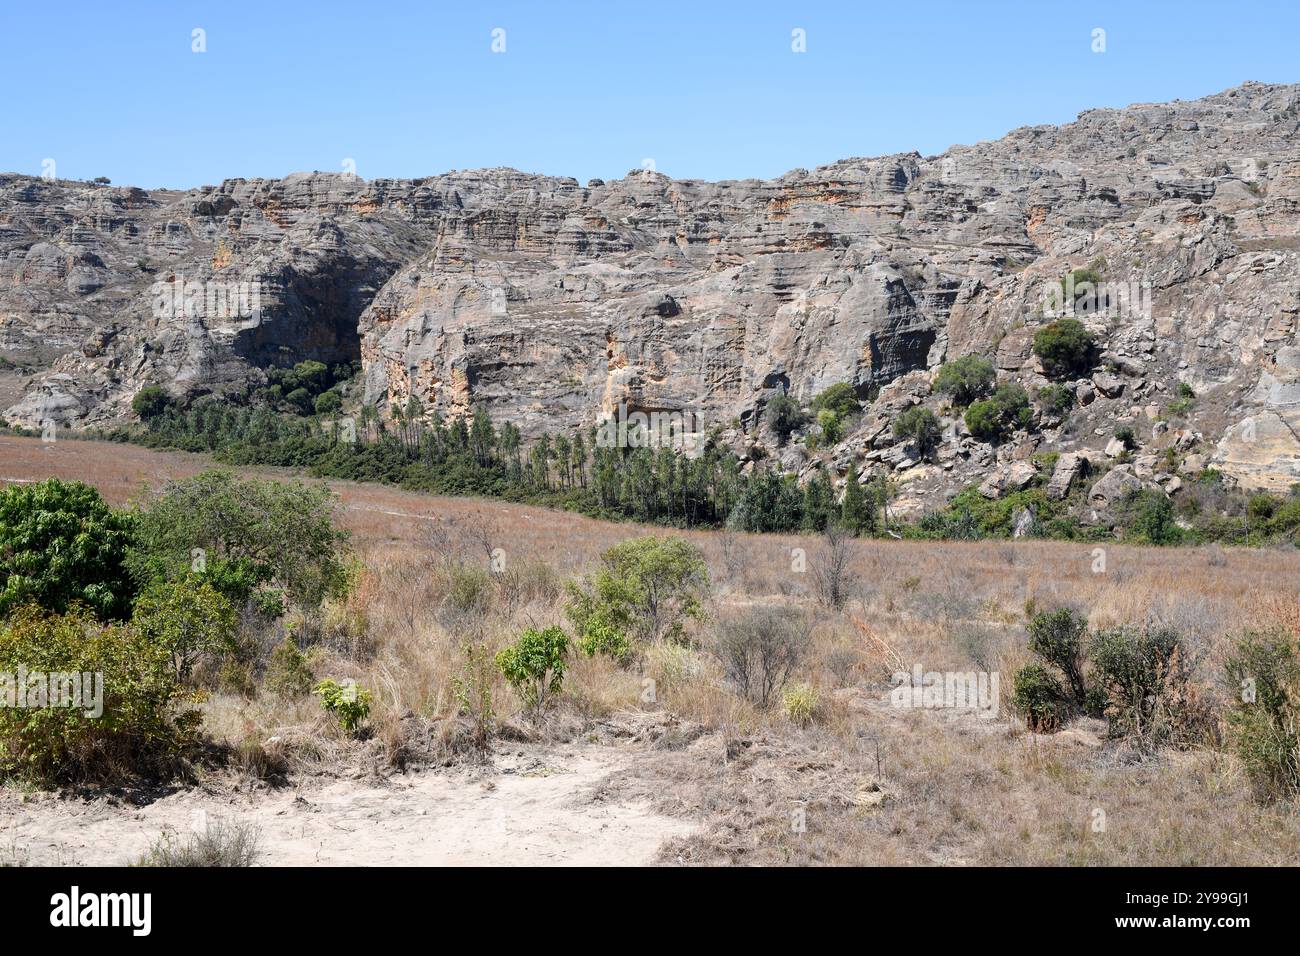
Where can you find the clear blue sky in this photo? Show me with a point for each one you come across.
(705, 89)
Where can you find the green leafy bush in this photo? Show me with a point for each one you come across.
(252, 535)
(1144, 674)
(1055, 400)
(347, 701)
(189, 618)
(1039, 697)
(965, 379)
(534, 666)
(150, 401)
(1065, 348)
(647, 589)
(288, 674)
(839, 399)
(141, 732)
(61, 544)
(920, 425)
(1058, 637)
(785, 416)
(1263, 674)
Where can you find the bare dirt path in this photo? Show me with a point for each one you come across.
(537, 807)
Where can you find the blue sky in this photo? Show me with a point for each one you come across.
(708, 90)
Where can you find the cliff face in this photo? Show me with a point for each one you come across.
(552, 304)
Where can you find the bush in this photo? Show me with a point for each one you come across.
(473, 691)
(1148, 518)
(1126, 436)
(785, 416)
(1008, 408)
(760, 648)
(139, 732)
(1144, 676)
(149, 402)
(534, 666)
(1065, 348)
(288, 674)
(348, 702)
(602, 637)
(218, 845)
(801, 704)
(920, 425)
(1055, 400)
(1039, 698)
(647, 590)
(61, 544)
(840, 400)
(1264, 719)
(965, 379)
(189, 618)
(1058, 638)
(253, 534)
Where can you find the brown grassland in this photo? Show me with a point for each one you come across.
(863, 782)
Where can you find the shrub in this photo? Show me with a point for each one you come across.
(1264, 719)
(920, 425)
(831, 425)
(801, 704)
(965, 379)
(534, 666)
(785, 416)
(149, 402)
(839, 399)
(1144, 676)
(1055, 400)
(473, 691)
(348, 702)
(288, 674)
(1039, 698)
(1058, 638)
(252, 533)
(60, 544)
(1126, 436)
(218, 845)
(1008, 408)
(647, 589)
(859, 511)
(1065, 348)
(601, 637)
(189, 618)
(327, 402)
(760, 648)
(139, 732)
(1148, 517)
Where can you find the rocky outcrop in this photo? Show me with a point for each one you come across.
(552, 304)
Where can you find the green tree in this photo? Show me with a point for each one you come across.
(1065, 348)
(920, 425)
(965, 379)
(840, 399)
(188, 617)
(60, 544)
(784, 416)
(150, 402)
(243, 534)
(534, 666)
(647, 588)
(858, 511)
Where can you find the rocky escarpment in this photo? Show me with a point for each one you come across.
(552, 303)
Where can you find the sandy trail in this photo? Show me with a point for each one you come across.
(538, 807)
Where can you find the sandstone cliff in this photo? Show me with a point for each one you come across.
(552, 303)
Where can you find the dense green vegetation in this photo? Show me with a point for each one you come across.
(157, 604)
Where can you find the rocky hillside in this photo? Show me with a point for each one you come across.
(552, 303)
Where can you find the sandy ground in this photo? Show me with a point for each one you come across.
(536, 807)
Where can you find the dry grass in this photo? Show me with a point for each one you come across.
(864, 783)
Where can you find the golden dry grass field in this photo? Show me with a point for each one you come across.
(692, 771)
